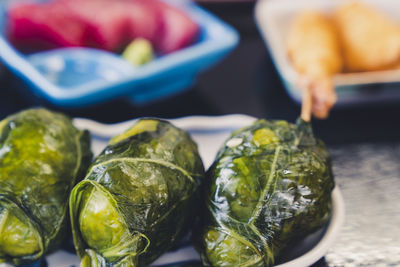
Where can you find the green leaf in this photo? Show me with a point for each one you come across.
(270, 185)
(42, 156)
(143, 188)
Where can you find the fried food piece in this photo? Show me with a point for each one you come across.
(313, 45)
(370, 40)
(314, 49)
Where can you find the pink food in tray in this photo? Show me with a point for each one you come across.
(45, 26)
(113, 24)
(178, 30)
(104, 24)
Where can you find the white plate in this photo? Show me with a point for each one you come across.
(273, 19)
(209, 133)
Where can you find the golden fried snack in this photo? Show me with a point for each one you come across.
(370, 40)
(314, 49)
(313, 45)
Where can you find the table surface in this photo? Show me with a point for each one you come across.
(364, 140)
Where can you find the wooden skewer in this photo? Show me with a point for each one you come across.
(306, 104)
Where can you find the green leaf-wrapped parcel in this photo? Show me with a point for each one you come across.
(138, 197)
(270, 184)
(41, 156)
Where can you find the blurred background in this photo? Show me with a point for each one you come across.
(245, 81)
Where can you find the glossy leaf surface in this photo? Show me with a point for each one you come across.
(138, 197)
(41, 157)
(270, 185)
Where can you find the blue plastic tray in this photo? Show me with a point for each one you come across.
(73, 77)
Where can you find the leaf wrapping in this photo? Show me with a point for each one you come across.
(138, 197)
(41, 157)
(269, 186)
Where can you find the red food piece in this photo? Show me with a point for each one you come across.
(107, 28)
(113, 24)
(105, 24)
(178, 29)
(46, 25)
(144, 20)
